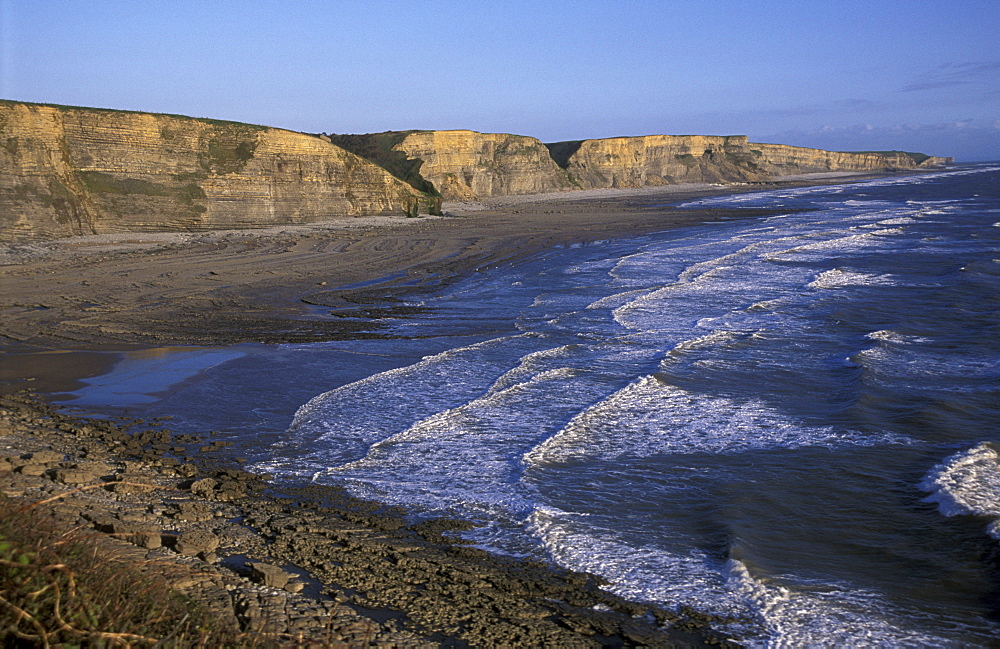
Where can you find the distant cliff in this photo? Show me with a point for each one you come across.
(67, 171)
(657, 160)
(670, 159)
(780, 159)
(464, 165)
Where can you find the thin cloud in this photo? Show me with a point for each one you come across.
(949, 75)
(939, 127)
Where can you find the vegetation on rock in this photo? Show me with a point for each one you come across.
(58, 587)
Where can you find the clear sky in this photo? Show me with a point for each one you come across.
(918, 75)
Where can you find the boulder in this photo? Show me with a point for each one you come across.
(196, 542)
(273, 576)
(204, 487)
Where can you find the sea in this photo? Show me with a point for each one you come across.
(791, 422)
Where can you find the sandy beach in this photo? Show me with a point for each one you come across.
(223, 287)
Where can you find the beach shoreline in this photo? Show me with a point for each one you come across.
(66, 305)
(141, 290)
(299, 565)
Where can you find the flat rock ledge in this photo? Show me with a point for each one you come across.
(310, 566)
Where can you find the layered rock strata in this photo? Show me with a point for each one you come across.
(465, 165)
(670, 159)
(781, 159)
(657, 160)
(67, 171)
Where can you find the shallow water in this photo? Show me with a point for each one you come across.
(792, 419)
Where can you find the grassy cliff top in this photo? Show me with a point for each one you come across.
(205, 120)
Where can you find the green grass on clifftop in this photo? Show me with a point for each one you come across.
(205, 120)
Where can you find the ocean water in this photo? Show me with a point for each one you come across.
(790, 420)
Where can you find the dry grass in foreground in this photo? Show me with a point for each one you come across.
(59, 588)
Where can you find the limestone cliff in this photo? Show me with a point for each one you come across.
(467, 165)
(781, 159)
(668, 159)
(931, 161)
(463, 165)
(657, 160)
(67, 171)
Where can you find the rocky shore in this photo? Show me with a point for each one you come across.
(304, 565)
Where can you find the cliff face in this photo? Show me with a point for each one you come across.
(780, 160)
(932, 161)
(67, 171)
(657, 160)
(669, 159)
(466, 165)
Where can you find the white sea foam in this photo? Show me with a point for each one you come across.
(708, 341)
(468, 457)
(889, 336)
(824, 249)
(650, 418)
(769, 614)
(645, 574)
(462, 457)
(340, 425)
(825, 615)
(530, 365)
(967, 483)
(618, 299)
(898, 220)
(919, 359)
(709, 289)
(841, 277)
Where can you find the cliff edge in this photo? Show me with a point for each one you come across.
(69, 171)
(463, 165)
(467, 165)
(671, 159)
(651, 160)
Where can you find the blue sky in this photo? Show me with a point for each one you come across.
(919, 75)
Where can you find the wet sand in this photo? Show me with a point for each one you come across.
(225, 287)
